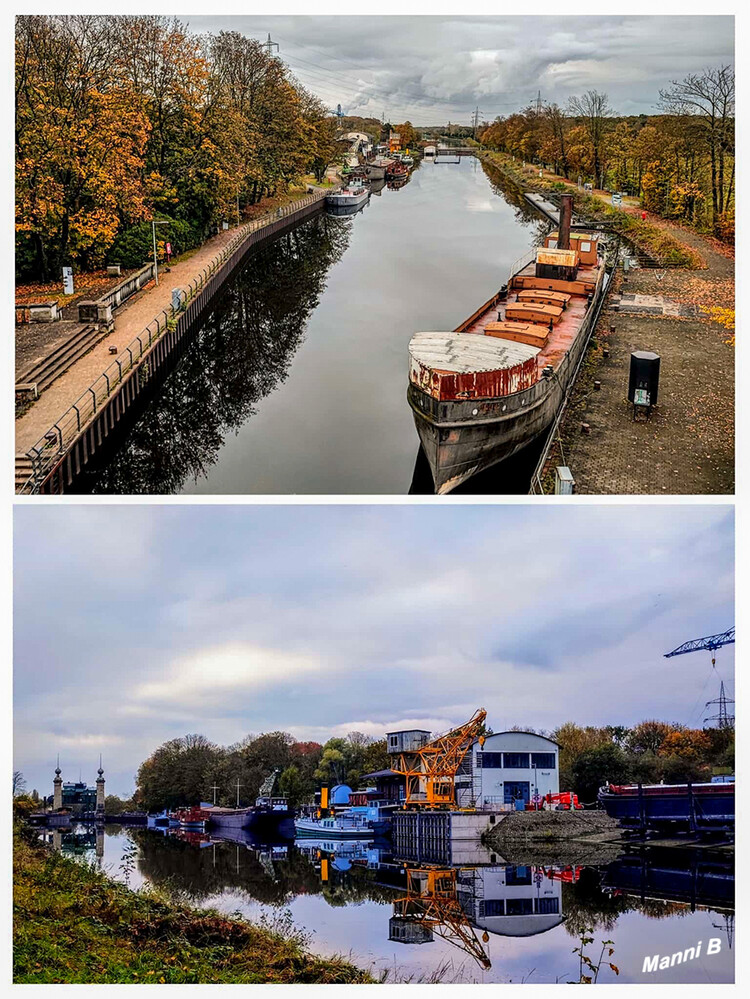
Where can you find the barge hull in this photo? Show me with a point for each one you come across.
(461, 438)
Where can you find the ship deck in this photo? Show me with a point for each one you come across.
(563, 333)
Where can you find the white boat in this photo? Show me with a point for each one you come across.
(344, 826)
(353, 195)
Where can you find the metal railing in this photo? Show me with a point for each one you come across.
(61, 435)
(523, 261)
(536, 487)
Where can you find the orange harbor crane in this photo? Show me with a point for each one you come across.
(430, 772)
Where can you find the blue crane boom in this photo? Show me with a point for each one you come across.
(711, 643)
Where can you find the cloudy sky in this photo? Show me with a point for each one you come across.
(134, 625)
(432, 69)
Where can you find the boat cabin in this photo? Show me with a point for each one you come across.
(586, 245)
(560, 265)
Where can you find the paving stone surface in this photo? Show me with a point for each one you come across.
(687, 445)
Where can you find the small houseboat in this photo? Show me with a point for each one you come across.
(376, 168)
(194, 817)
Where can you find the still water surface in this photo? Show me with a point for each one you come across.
(296, 381)
(518, 924)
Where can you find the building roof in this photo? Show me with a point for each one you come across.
(380, 773)
(522, 731)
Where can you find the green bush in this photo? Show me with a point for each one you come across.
(595, 767)
(134, 247)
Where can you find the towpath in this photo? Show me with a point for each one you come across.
(130, 319)
(687, 446)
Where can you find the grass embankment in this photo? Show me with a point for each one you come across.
(73, 924)
(557, 837)
(650, 237)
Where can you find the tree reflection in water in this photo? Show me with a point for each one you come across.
(241, 353)
(256, 873)
(247, 871)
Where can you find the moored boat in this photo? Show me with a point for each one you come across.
(194, 817)
(377, 167)
(270, 814)
(691, 807)
(397, 171)
(342, 826)
(488, 388)
(351, 197)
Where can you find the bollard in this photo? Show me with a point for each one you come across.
(585, 428)
(597, 386)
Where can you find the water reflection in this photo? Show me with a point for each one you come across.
(240, 355)
(296, 381)
(488, 920)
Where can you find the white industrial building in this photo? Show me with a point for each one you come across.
(509, 767)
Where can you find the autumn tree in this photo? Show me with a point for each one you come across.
(708, 98)
(594, 112)
(81, 134)
(409, 135)
(124, 118)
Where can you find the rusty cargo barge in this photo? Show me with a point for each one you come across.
(489, 388)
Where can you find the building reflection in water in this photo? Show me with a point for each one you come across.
(77, 840)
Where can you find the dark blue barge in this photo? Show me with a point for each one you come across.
(693, 808)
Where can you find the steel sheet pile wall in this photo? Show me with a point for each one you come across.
(422, 836)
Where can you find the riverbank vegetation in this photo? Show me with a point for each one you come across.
(185, 771)
(73, 924)
(647, 234)
(680, 163)
(649, 752)
(125, 119)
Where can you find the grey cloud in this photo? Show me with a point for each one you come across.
(435, 68)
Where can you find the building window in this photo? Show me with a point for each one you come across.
(393, 740)
(494, 907)
(547, 906)
(493, 761)
(585, 247)
(517, 876)
(516, 761)
(519, 907)
(543, 761)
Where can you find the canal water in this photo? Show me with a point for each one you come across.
(296, 381)
(495, 923)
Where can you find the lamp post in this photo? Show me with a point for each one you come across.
(154, 224)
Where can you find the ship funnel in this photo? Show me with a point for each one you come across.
(566, 214)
